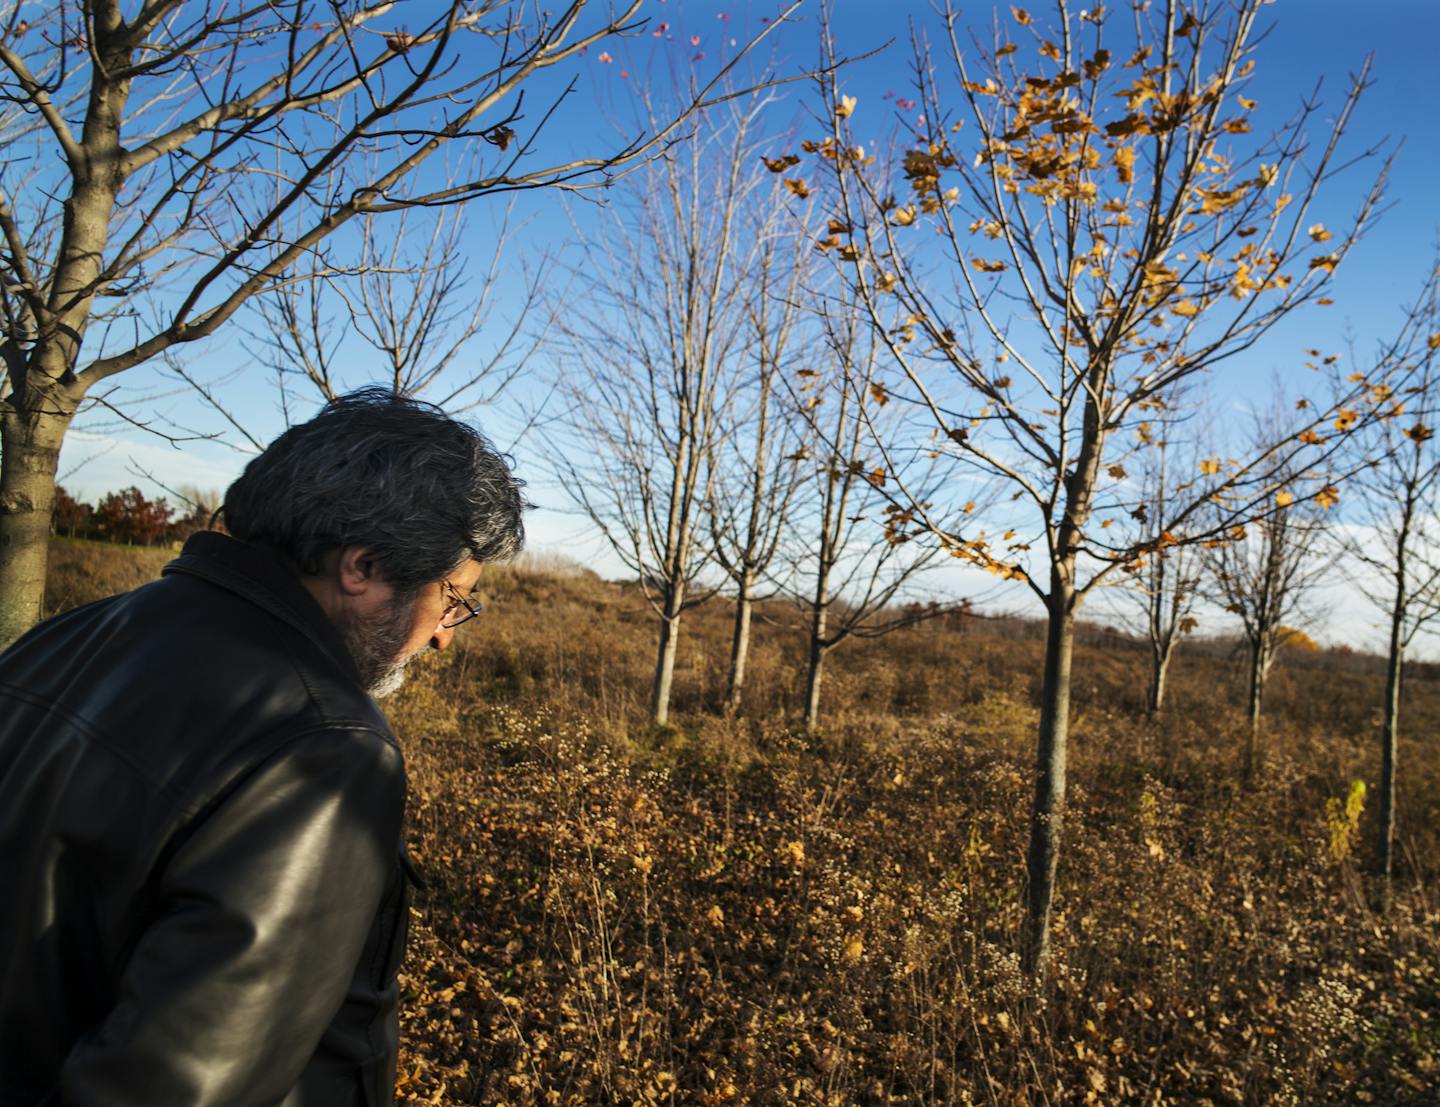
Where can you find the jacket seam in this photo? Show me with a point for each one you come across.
(96, 735)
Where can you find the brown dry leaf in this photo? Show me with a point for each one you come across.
(1124, 159)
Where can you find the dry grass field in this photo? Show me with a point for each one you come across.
(728, 912)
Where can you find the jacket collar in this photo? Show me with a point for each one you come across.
(266, 580)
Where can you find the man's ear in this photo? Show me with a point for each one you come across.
(356, 572)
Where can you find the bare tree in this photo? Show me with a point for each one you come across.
(1105, 233)
(166, 164)
(649, 366)
(1264, 576)
(755, 477)
(1163, 589)
(412, 298)
(1393, 537)
(853, 556)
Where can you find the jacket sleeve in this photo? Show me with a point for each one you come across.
(262, 915)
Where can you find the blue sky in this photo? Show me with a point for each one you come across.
(1308, 40)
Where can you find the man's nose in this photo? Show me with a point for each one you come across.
(441, 638)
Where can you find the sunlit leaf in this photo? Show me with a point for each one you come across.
(1124, 159)
(845, 108)
(1022, 17)
(797, 186)
(780, 164)
(1328, 497)
(1284, 499)
(1318, 233)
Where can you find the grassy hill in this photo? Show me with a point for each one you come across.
(726, 911)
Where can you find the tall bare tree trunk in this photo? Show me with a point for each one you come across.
(1259, 668)
(816, 668)
(1159, 669)
(1389, 734)
(740, 643)
(1048, 814)
(665, 656)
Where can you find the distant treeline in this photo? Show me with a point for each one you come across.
(127, 517)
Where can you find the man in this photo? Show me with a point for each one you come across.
(204, 882)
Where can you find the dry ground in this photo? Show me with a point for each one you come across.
(727, 912)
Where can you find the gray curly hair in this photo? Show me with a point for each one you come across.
(421, 491)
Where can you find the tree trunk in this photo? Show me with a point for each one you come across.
(29, 457)
(1159, 669)
(665, 659)
(1388, 742)
(1259, 666)
(1048, 813)
(812, 684)
(740, 644)
(818, 622)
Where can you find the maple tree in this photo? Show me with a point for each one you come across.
(1084, 217)
(128, 516)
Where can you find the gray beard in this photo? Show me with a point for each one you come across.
(376, 643)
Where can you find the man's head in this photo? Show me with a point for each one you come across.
(388, 507)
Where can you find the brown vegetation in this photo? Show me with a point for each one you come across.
(726, 911)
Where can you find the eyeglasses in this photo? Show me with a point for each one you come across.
(460, 608)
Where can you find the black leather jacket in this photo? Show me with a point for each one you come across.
(204, 901)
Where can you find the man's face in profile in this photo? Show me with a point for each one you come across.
(384, 639)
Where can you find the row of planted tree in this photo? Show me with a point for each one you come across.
(131, 518)
(985, 341)
(790, 356)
